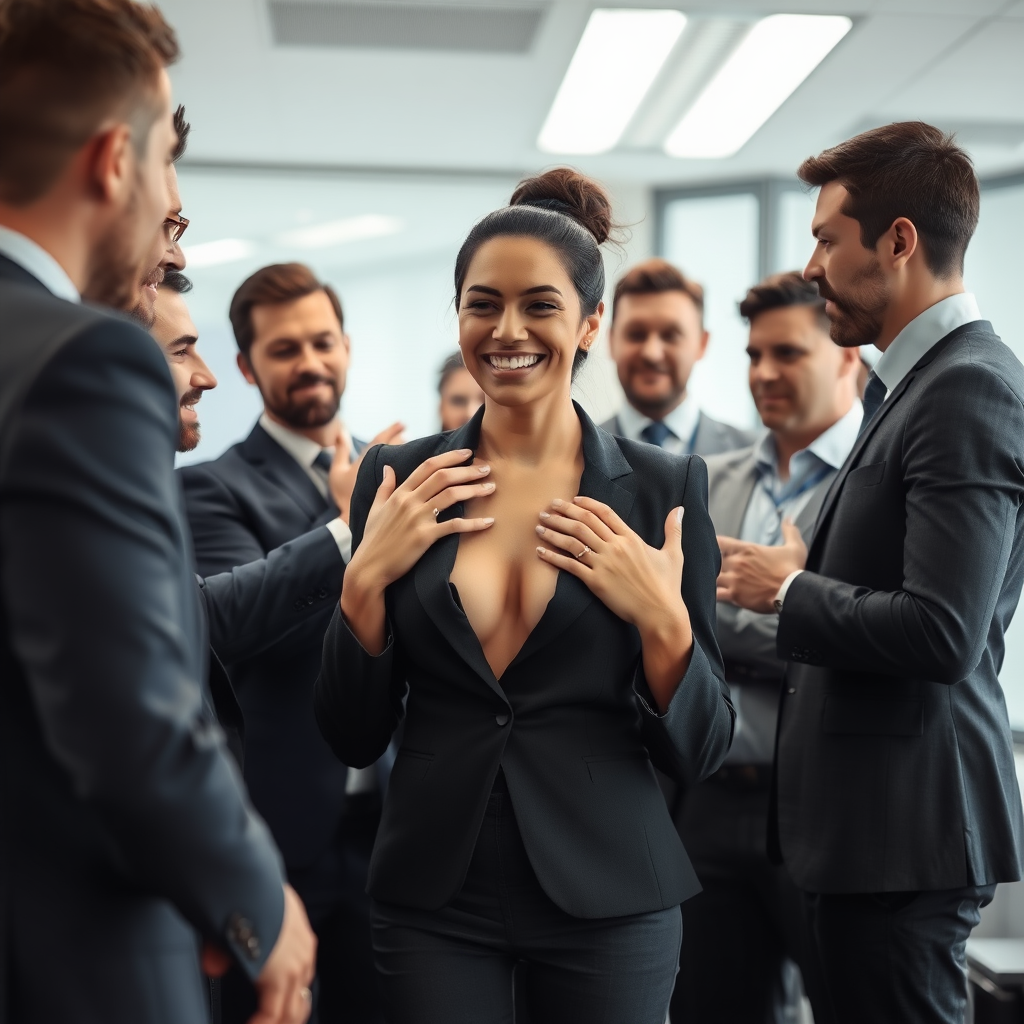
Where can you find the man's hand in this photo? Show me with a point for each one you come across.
(342, 478)
(752, 573)
(283, 984)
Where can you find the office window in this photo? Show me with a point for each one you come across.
(792, 244)
(993, 273)
(715, 239)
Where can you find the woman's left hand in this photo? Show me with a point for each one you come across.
(639, 583)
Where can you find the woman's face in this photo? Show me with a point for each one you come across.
(520, 322)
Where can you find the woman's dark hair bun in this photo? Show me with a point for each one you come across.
(571, 193)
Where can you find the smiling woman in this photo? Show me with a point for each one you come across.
(537, 683)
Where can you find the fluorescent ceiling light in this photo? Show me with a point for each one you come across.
(339, 232)
(617, 59)
(765, 69)
(224, 250)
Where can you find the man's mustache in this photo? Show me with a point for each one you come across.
(190, 397)
(308, 380)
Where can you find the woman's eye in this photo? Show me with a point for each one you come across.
(543, 307)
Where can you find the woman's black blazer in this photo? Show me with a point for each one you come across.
(571, 721)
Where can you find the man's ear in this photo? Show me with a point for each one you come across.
(246, 367)
(705, 338)
(109, 163)
(898, 244)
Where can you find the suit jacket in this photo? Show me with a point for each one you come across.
(712, 435)
(895, 762)
(748, 642)
(255, 606)
(124, 827)
(569, 721)
(241, 506)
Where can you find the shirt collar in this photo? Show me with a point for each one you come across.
(298, 446)
(831, 447)
(924, 331)
(39, 263)
(682, 420)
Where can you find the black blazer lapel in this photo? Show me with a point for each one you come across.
(433, 571)
(260, 449)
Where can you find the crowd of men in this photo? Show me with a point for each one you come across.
(163, 775)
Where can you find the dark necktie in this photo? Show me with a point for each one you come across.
(874, 396)
(655, 433)
(323, 460)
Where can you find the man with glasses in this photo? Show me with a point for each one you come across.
(166, 254)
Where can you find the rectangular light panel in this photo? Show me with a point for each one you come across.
(617, 59)
(777, 54)
(222, 250)
(341, 232)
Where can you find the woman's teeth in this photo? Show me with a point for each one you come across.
(512, 362)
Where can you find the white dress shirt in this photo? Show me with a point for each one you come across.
(682, 421)
(39, 263)
(925, 331)
(304, 451)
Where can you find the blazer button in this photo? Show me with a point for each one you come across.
(501, 719)
(792, 689)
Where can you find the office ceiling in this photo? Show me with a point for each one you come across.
(356, 85)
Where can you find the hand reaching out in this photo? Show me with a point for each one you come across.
(342, 478)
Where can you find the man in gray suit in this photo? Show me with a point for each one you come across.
(896, 805)
(657, 337)
(745, 922)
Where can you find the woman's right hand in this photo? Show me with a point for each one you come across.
(401, 525)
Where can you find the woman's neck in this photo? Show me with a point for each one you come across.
(532, 434)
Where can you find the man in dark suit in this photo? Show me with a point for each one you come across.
(254, 606)
(657, 337)
(124, 821)
(292, 474)
(745, 924)
(897, 808)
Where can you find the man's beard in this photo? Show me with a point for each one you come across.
(144, 312)
(188, 433)
(312, 412)
(856, 322)
(653, 407)
(114, 275)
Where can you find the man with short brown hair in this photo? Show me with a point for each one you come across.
(279, 483)
(126, 828)
(896, 807)
(657, 337)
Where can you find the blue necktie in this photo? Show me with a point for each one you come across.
(874, 396)
(655, 433)
(323, 460)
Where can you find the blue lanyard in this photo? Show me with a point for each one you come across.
(812, 481)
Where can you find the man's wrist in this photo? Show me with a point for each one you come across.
(780, 596)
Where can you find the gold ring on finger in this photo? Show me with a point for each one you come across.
(586, 551)
(306, 995)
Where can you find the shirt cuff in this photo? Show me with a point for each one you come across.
(342, 537)
(780, 597)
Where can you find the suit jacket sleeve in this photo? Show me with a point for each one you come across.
(103, 616)
(359, 698)
(691, 739)
(254, 606)
(221, 537)
(964, 486)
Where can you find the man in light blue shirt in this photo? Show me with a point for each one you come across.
(744, 922)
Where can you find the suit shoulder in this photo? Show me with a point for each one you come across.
(723, 461)
(726, 436)
(656, 466)
(229, 462)
(982, 361)
(404, 458)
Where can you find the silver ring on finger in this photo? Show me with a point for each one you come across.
(586, 551)
(306, 995)
(437, 512)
